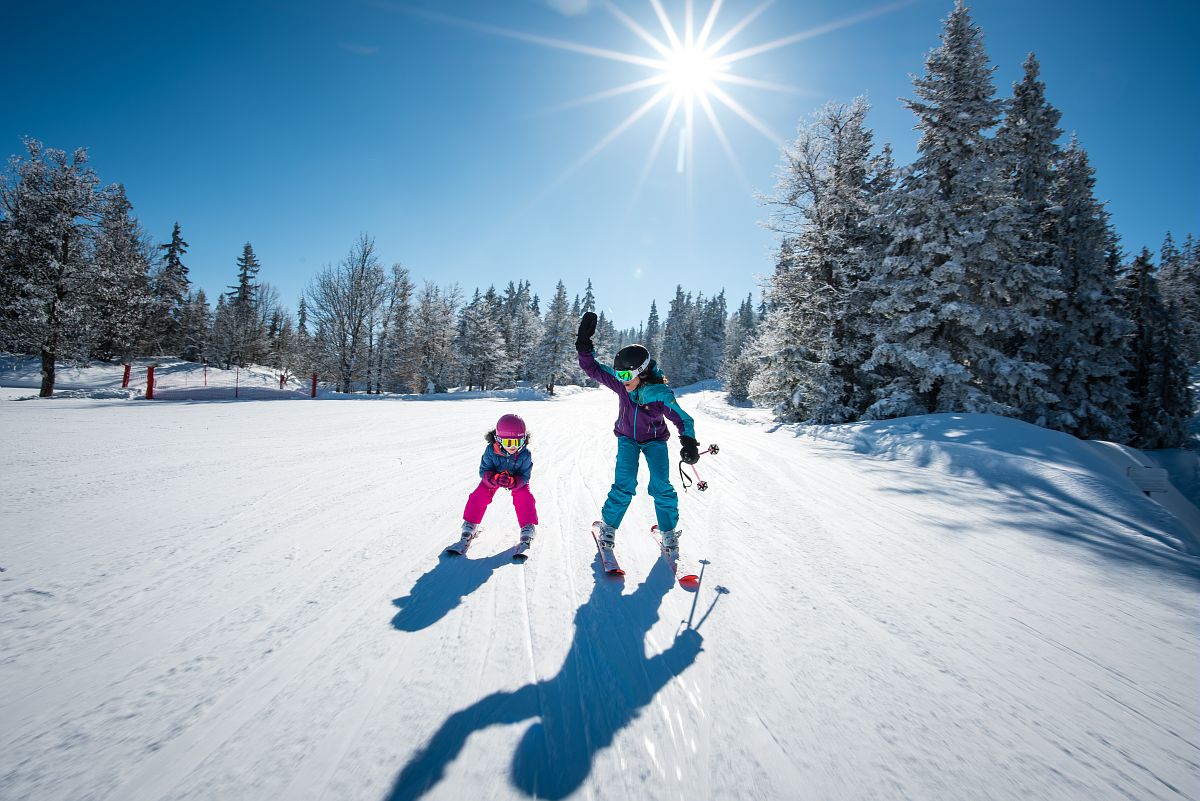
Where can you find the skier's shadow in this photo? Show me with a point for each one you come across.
(604, 682)
(443, 588)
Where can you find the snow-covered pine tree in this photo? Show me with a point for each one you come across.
(653, 332)
(589, 299)
(738, 365)
(525, 331)
(480, 345)
(953, 293)
(119, 302)
(1179, 278)
(50, 204)
(1086, 348)
(1027, 151)
(169, 287)
(711, 336)
(195, 325)
(555, 354)
(1158, 381)
(393, 370)
(678, 358)
(819, 330)
(242, 333)
(434, 359)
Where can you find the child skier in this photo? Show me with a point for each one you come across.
(644, 400)
(506, 463)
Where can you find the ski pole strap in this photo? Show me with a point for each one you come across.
(684, 480)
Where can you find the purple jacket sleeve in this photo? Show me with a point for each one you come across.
(599, 372)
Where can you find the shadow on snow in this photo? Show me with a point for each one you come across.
(605, 681)
(440, 590)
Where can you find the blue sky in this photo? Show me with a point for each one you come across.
(451, 131)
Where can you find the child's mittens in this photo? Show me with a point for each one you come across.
(587, 328)
(489, 478)
(504, 480)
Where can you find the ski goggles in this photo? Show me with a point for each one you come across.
(511, 442)
(625, 376)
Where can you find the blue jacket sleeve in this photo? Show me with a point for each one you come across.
(681, 419)
(485, 464)
(600, 373)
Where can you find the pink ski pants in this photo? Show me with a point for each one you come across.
(523, 502)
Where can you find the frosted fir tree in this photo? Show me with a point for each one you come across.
(120, 306)
(433, 358)
(243, 336)
(524, 330)
(1158, 381)
(653, 332)
(49, 205)
(480, 345)
(711, 336)
(589, 299)
(169, 288)
(738, 365)
(1179, 278)
(679, 355)
(195, 325)
(1086, 348)
(953, 292)
(393, 369)
(819, 331)
(1027, 152)
(554, 357)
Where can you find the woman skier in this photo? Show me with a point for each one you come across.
(506, 463)
(644, 400)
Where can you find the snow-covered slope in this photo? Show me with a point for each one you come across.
(248, 601)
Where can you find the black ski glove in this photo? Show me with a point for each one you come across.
(690, 452)
(587, 328)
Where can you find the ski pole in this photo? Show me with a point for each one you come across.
(700, 483)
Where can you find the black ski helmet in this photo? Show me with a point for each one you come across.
(632, 357)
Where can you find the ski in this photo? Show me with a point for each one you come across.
(460, 548)
(679, 567)
(608, 560)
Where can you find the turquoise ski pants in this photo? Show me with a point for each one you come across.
(666, 502)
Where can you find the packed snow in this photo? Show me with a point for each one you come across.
(248, 599)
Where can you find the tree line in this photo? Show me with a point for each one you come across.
(985, 277)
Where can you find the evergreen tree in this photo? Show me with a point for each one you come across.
(555, 357)
(1085, 350)
(480, 346)
(1179, 277)
(433, 357)
(738, 365)
(953, 292)
(394, 370)
(118, 296)
(242, 334)
(1158, 381)
(711, 336)
(195, 325)
(589, 299)
(820, 330)
(679, 355)
(170, 287)
(49, 204)
(653, 332)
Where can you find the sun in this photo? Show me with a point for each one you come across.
(691, 72)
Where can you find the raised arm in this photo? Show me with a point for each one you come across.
(596, 371)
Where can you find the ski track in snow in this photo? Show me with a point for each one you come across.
(250, 600)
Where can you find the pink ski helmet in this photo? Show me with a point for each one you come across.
(510, 431)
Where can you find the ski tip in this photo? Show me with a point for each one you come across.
(691, 580)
